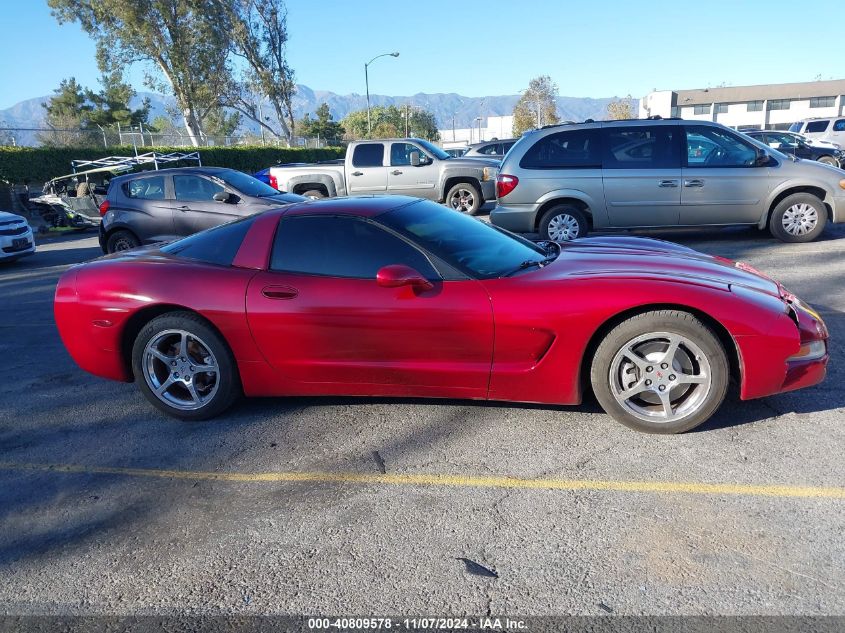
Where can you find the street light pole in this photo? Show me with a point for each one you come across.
(367, 82)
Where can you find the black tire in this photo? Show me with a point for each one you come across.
(228, 384)
(314, 193)
(702, 400)
(121, 241)
(829, 160)
(565, 221)
(794, 206)
(464, 197)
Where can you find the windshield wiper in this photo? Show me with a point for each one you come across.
(540, 263)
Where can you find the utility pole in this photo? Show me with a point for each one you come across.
(407, 120)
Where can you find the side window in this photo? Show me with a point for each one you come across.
(506, 147)
(400, 154)
(839, 126)
(817, 126)
(145, 188)
(368, 155)
(574, 149)
(713, 147)
(341, 247)
(491, 149)
(194, 188)
(641, 147)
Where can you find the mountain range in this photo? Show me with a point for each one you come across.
(449, 108)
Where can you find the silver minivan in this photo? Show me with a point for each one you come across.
(563, 181)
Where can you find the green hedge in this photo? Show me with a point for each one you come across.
(36, 165)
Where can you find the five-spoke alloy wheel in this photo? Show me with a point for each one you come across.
(660, 372)
(184, 367)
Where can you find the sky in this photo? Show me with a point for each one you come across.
(485, 47)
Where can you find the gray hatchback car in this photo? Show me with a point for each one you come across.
(162, 205)
(563, 181)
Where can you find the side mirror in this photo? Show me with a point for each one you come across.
(415, 159)
(397, 275)
(222, 196)
(762, 159)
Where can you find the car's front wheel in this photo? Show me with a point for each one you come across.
(829, 160)
(800, 217)
(184, 367)
(660, 372)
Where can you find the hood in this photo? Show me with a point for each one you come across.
(472, 161)
(5, 216)
(646, 258)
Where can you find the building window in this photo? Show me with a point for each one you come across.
(701, 109)
(754, 106)
(822, 102)
(676, 111)
(779, 104)
(721, 108)
(778, 126)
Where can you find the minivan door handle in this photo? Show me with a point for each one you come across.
(279, 292)
(668, 183)
(396, 172)
(694, 183)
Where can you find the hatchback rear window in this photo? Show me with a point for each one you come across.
(214, 246)
(817, 126)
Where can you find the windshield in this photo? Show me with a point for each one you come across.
(245, 184)
(433, 149)
(470, 245)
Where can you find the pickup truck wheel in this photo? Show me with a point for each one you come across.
(316, 194)
(464, 197)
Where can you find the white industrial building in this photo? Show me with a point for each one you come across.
(768, 107)
(485, 128)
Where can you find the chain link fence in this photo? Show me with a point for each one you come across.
(140, 137)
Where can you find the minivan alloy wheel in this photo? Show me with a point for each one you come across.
(800, 219)
(563, 228)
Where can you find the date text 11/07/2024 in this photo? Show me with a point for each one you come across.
(417, 624)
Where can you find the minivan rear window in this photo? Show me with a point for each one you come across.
(817, 126)
(573, 149)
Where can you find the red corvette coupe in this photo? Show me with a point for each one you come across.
(394, 296)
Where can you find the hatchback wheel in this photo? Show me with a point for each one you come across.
(464, 197)
(121, 241)
(660, 372)
(800, 217)
(563, 223)
(184, 368)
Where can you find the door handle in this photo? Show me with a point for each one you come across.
(694, 183)
(184, 207)
(668, 183)
(357, 173)
(396, 172)
(279, 292)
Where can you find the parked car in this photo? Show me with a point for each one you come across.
(408, 166)
(565, 180)
(396, 296)
(455, 152)
(830, 129)
(794, 145)
(16, 238)
(815, 142)
(162, 205)
(491, 149)
(73, 200)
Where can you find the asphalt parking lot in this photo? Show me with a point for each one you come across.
(355, 506)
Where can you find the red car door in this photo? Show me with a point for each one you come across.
(326, 326)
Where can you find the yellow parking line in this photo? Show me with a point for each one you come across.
(465, 481)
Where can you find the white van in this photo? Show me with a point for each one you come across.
(828, 129)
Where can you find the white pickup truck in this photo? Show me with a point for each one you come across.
(406, 166)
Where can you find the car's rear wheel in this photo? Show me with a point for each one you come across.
(184, 367)
(563, 223)
(829, 160)
(121, 241)
(464, 197)
(800, 217)
(660, 372)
